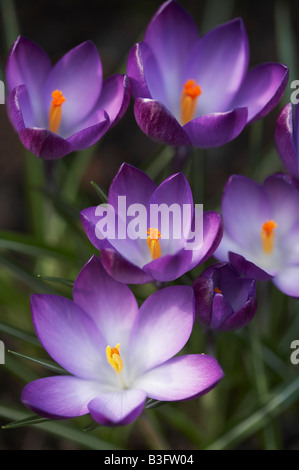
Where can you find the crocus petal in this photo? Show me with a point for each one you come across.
(44, 144)
(236, 289)
(284, 140)
(69, 335)
(115, 97)
(175, 193)
(113, 314)
(212, 236)
(245, 204)
(216, 129)
(221, 311)
(242, 317)
(81, 89)
(171, 35)
(60, 396)
(119, 408)
(158, 123)
(262, 89)
(224, 300)
(144, 73)
(97, 125)
(226, 245)
(28, 64)
(162, 328)
(89, 221)
(289, 245)
(284, 198)
(204, 291)
(288, 280)
(224, 48)
(19, 108)
(169, 267)
(247, 268)
(139, 190)
(121, 269)
(122, 196)
(181, 378)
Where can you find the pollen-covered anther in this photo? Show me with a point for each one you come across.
(191, 91)
(153, 242)
(217, 290)
(55, 112)
(268, 235)
(114, 359)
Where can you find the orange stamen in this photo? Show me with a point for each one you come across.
(267, 236)
(191, 91)
(153, 242)
(55, 112)
(114, 359)
(217, 290)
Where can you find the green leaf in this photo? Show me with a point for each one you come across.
(100, 192)
(59, 280)
(10, 24)
(19, 370)
(215, 13)
(48, 364)
(154, 404)
(34, 419)
(79, 163)
(31, 281)
(58, 429)
(160, 162)
(19, 334)
(286, 39)
(283, 397)
(22, 243)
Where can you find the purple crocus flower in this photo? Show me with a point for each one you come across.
(223, 299)
(117, 354)
(152, 255)
(287, 138)
(56, 110)
(193, 90)
(261, 230)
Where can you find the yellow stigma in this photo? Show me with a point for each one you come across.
(153, 242)
(217, 290)
(55, 112)
(114, 359)
(267, 236)
(191, 91)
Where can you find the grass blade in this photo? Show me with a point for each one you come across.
(284, 396)
(47, 364)
(59, 430)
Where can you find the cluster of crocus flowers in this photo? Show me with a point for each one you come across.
(136, 260)
(188, 90)
(64, 108)
(192, 90)
(116, 355)
(261, 230)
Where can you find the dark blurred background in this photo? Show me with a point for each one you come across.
(114, 26)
